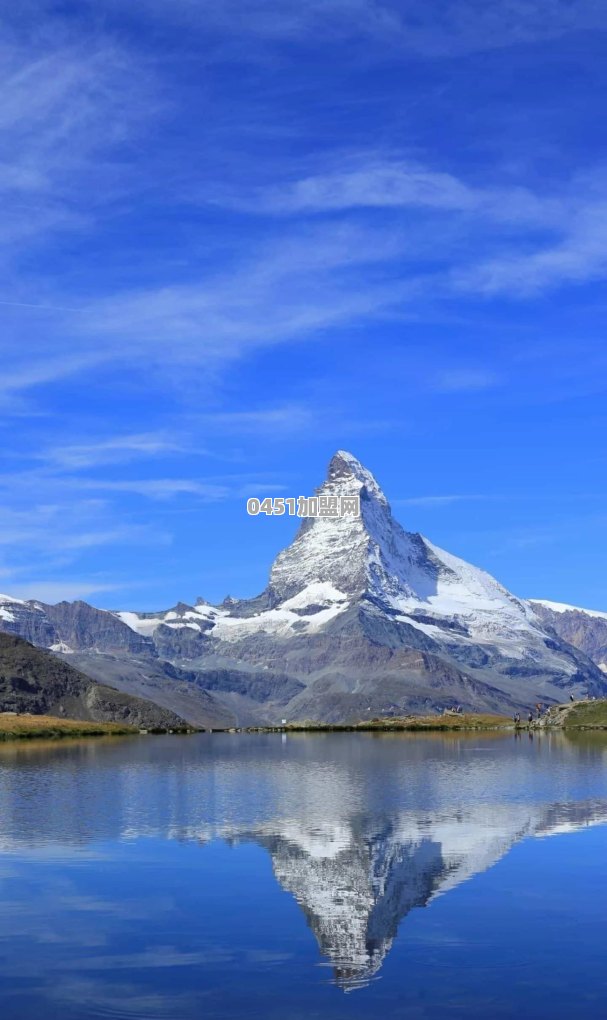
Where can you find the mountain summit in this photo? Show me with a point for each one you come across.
(356, 554)
(372, 556)
(359, 618)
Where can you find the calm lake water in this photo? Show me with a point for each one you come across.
(338, 876)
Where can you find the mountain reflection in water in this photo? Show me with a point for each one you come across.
(361, 830)
(356, 880)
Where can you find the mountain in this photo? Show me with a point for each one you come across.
(359, 618)
(68, 626)
(108, 651)
(585, 629)
(35, 681)
(362, 618)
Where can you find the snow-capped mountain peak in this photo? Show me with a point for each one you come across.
(368, 553)
(372, 555)
(345, 468)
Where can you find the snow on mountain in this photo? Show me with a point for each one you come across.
(372, 555)
(8, 606)
(333, 560)
(562, 607)
(307, 611)
(67, 626)
(370, 617)
(192, 617)
(26, 619)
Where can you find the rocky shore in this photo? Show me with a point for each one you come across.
(575, 715)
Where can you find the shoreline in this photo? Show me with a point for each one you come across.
(450, 722)
(33, 727)
(577, 715)
(574, 716)
(15, 726)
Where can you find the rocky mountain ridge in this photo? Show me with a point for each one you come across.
(585, 629)
(34, 681)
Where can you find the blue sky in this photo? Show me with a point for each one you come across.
(239, 236)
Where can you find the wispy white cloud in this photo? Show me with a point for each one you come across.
(48, 527)
(42, 545)
(64, 103)
(57, 528)
(291, 288)
(305, 279)
(445, 28)
(25, 374)
(268, 420)
(523, 538)
(40, 495)
(76, 541)
(374, 181)
(526, 241)
(579, 255)
(115, 450)
(71, 98)
(158, 488)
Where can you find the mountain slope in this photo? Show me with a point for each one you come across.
(102, 646)
(157, 682)
(586, 629)
(35, 681)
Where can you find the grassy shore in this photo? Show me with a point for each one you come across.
(589, 715)
(581, 715)
(450, 721)
(28, 727)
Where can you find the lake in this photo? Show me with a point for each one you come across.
(306, 875)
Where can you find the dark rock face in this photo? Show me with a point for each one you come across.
(29, 621)
(76, 625)
(258, 686)
(36, 681)
(180, 644)
(584, 630)
(81, 626)
(102, 646)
